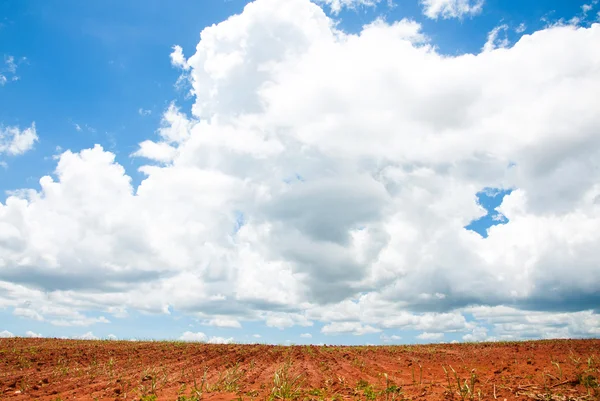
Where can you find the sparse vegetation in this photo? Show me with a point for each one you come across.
(187, 372)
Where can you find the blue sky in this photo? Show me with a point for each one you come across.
(100, 72)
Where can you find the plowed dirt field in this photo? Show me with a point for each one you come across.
(51, 369)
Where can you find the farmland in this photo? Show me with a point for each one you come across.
(52, 369)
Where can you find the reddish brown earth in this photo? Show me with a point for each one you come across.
(50, 369)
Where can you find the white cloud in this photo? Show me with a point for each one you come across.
(285, 320)
(28, 313)
(389, 339)
(56, 315)
(478, 334)
(327, 177)
(256, 335)
(8, 70)
(87, 336)
(220, 340)
(112, 337)
(85, 127)
(14, 141)
(430, 336)
(144, 112)
(177, 58)
(223, 322)
(6, 334)
(348, 328)
(32, 334)
(203, 338)
(9, 64)
(306, 335)
(521, 28)
(447, 9)
(586, 8)
(161, 152)
(511, 323)
(494, 41)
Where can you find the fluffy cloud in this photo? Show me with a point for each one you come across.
(494, 41)
(8, 71)
(6, 334)
(87, 336)
(223, 322)
(55, 315)
(177, 58)
(14, 141)
(285, 320)
(323, 176)
(446, 9)
(389, 339)
(201, 337)
(32, 334)
(430, 336)
(478, 334)
(509, 323)
(348, 328)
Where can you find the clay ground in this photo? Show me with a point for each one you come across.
(51, 369)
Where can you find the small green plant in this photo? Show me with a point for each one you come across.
(231, 379)
(227, 381)
(62, 367)
(560, 375)
(588, 377)
(465, 390)
(23, 362)
(362, 384)
(317, 392)
(588, 381)
(367, 389)
(391, 390)
(447, 379)
(110, 366)
(198, 391)
(370, 393)
(286, 386)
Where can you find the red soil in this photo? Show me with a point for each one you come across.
(50, 369)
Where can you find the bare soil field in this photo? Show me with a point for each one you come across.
(51, 369)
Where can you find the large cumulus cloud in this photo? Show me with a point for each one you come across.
(323, 176)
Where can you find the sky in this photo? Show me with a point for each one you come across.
(300, 172)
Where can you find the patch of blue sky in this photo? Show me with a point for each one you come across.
(489, 199)
(240, 221)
